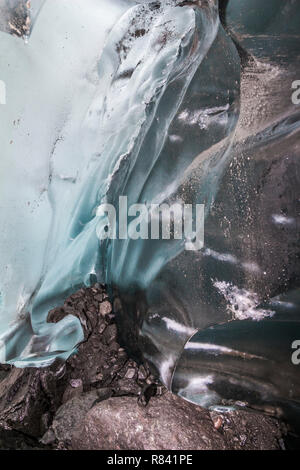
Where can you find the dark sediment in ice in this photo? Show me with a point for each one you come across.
(15, 17)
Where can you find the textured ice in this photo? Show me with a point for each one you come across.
(17, 17)
(150, 100)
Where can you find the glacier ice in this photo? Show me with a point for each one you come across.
(17, 17)
(151, 100)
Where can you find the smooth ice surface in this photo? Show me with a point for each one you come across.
(43, 77)
(116, 97)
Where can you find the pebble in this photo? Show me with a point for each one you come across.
(142, 374)
(76, 383)
(130, 374)
(105, 308)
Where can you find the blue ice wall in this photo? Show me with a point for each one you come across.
(159, 102)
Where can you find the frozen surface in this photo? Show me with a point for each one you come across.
(40, 124)
(148, 100)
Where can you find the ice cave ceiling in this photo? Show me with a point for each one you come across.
(160, 102)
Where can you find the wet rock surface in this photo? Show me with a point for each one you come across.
(102, 399)
(68, 419)
(168, 422)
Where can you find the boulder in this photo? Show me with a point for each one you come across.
(68, 418)
(170, 423)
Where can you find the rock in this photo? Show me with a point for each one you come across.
(12, 440)
(75, 389)
(102, 327)
(104, 393)
(105, 308)
(110, 334)
(130, 374)
(67, 419)
(142, 373)
(27, 394)
(170, 423)
(4, 371)
(126, 387)
(76, 383)
(98, 297)
(248, 430)
(166, 423)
